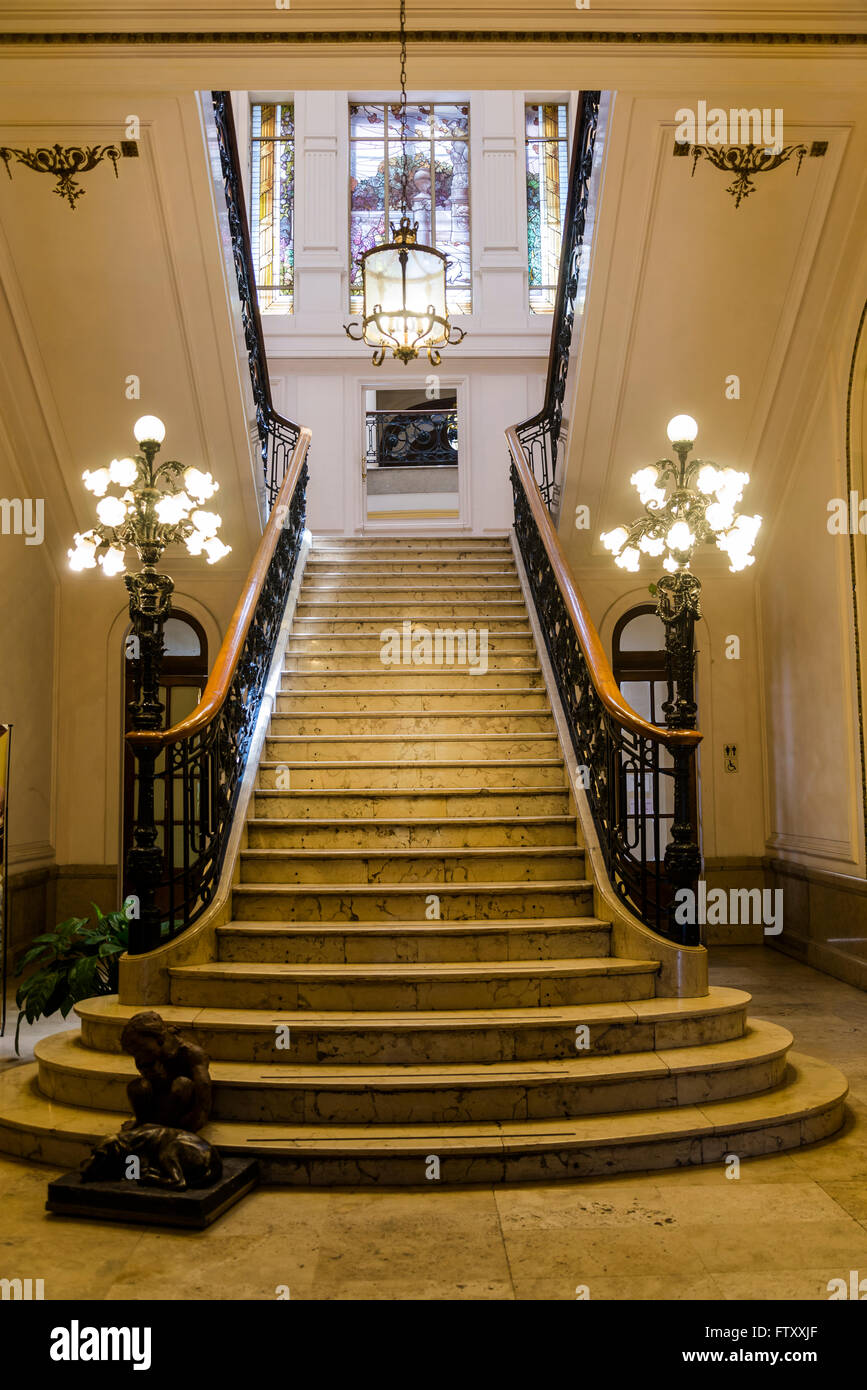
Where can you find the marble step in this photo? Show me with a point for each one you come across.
(419, 680)
(378, 943)
(495, 774)
(463, 748)
(458, 902)
(478, 592)
(353, 632)
(443, 985)
(400, 550)
(417, 571)
(327, 541)
(418, 1036)
(369, 645)
(808, 1106)
(424, 867)
(503, 571)
(464, 664)
(326, 1093)
(483, 564)
(382, 803)
(350, 724)
(393, 612)
(374, 835)
(518, 700)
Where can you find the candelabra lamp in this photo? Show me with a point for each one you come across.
(686, 504)
(154, 506)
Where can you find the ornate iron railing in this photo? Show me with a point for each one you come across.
(638, 778)
(540, 435)
(277, 436)
(411, 437)
(199, 763)
(193, 771)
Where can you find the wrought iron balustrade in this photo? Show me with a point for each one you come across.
(199, 763)
(409, 438)
(195, 769)
(638, 777)
(540, 435)
(277, 435)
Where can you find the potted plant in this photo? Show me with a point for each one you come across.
(75, 961)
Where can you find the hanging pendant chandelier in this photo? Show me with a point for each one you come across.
(403, 281)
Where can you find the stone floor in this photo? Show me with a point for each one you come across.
(782, 1230)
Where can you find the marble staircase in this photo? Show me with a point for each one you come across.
(414, 914)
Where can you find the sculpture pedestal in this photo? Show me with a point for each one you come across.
(192, 1208)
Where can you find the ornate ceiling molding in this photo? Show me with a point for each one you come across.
(442, 36)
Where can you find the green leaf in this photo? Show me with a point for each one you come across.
(73, 962)
(111, 948)
(36, 953)
(83, 977)
(35, 994)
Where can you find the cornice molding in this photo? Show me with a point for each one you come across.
(431, 36)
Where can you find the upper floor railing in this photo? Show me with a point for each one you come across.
(412, 438)
(639, 778)
(189, 776)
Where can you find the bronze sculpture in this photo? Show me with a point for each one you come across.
(171, 1099)
(174, 1085)
(166, 1158)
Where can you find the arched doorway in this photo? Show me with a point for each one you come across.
(183, 677)
(638, 661)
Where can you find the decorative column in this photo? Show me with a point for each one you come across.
(321, 216)
(150, 597)
(499, 226)
(678, 604)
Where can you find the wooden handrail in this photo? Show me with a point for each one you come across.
(220, 679)
(598, 664)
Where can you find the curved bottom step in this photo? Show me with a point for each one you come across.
(807, 1107)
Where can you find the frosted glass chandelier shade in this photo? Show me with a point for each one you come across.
(405, 308)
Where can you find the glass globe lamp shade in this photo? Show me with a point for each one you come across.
(682, 429)
(149, 429)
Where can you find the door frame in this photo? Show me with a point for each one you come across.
(463, 521)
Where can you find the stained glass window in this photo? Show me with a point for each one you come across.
(272, 203)
(438, 187)
(547, 143)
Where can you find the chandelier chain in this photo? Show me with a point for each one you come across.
(404, 171)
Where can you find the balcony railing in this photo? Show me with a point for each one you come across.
(411, 438)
